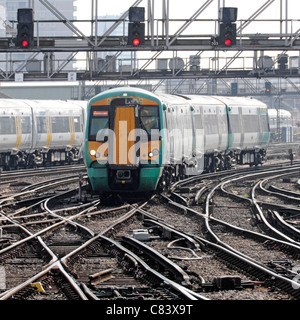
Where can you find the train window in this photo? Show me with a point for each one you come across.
(187, 122)
(25, 124)
(149, 118)
(41, 125)
(223, 124)
(99, 121)
(210, 124)
(235, 123)
(7, 125)
(264, 121)
(77, 124)
(169, 121)
(250, 123)
(60, 124)
(198, 121)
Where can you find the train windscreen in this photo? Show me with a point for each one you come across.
(98, 122)
(149, 118)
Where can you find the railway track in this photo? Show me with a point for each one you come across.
(206, 239)
(235, 220)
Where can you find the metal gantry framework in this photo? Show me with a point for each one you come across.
(178, 55)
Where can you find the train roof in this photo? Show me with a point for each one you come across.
(49, 104)
(241, 101)
(13, 104)
(273, 113)
(202, 99)
(212, 100)
(182, 99)
(121, 90)
(171, 98)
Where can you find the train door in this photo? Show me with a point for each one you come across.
(242, 131)
(72, 130)
(124, 125)
(18, 132)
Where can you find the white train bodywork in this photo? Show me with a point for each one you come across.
(229, 129)
(34, 132)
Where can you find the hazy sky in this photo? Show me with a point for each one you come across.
(186, 8)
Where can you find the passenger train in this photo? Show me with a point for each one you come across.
(40, 132)
(137, 141)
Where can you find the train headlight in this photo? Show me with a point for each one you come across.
(154, 152)
(93, 152)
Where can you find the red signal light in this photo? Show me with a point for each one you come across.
(136, 42)
(25, 43)
(227, 42)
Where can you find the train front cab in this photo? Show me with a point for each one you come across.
(123, 145)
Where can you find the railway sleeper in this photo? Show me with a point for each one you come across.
(161, 261)
(145, 274)
(277, 221)
(264, 275)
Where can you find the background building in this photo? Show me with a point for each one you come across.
(46, 28)
(126, 60)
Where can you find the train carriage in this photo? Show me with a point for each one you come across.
(210, 118)
(36, 132)
(16, 135)
(248, 128)
(58, 124)
(15, 126)
(58, 130)
(178, 128)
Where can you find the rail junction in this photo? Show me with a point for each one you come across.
(219, 236)
(227, 235)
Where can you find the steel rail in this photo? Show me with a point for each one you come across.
(55, 266)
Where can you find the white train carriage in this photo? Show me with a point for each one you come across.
(34, 132)
(248, 133)
(179, 123)
(211, 116)
(58, 127)
(16, 134)
(205, 119)
(15, 126)
(210, 119)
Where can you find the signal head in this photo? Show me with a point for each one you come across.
(227, 42)
(25, 43)
(136, 42)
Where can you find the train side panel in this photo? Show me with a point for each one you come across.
(179, 129)
(15, 126)
(27, 131)
(215, 129)
(247, 128)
